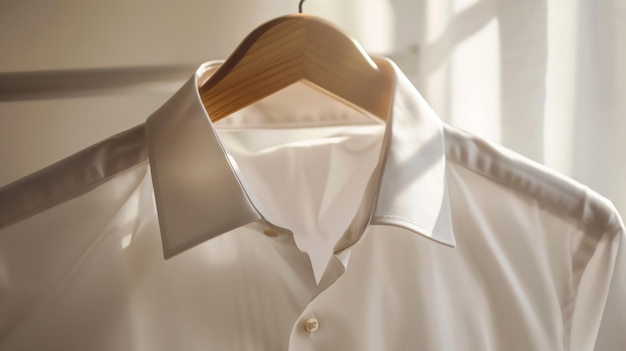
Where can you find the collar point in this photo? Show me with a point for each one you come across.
(438, 235)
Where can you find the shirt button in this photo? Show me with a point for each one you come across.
(270, 232)
(312, 325)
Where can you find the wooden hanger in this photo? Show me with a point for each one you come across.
(298, 47)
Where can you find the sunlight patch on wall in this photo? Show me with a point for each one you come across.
(475, 63)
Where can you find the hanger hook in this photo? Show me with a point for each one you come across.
(300, 6)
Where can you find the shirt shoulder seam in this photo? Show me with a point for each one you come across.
(554, 192)
(72, 176)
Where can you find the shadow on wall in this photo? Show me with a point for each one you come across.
(507, 66)
(486, 66)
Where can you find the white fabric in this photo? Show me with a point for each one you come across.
(251, 217)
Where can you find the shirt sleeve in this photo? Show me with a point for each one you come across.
(598, 319)
(612, 330)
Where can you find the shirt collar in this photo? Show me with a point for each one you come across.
(200, 196)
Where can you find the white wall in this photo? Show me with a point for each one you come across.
(42, 35)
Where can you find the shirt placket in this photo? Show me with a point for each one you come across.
(312, 326)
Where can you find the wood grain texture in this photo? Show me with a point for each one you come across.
(294, 48)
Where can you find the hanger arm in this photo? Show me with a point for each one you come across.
(293, 48)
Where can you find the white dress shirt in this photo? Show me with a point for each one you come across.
(294, 225)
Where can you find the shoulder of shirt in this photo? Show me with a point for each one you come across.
(552, 191)
(72, 176)
(86, 169)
